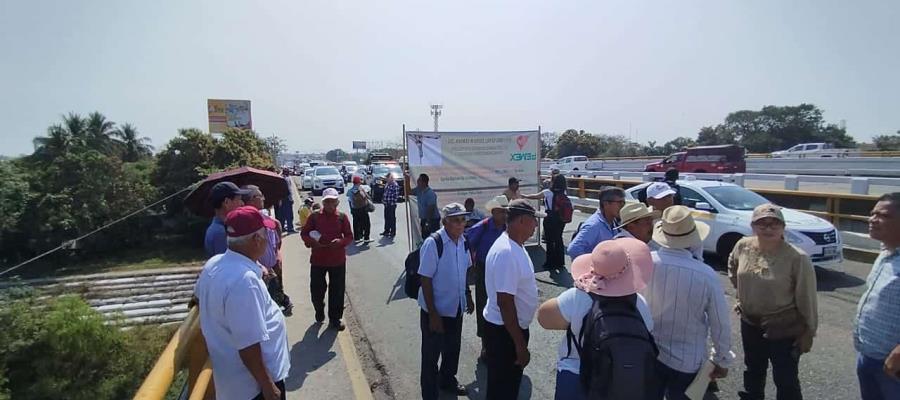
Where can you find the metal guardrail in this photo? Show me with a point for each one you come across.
(186, 349)
(753, 155)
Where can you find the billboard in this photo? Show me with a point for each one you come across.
(228, 114)
(461, 165)
(359, 145)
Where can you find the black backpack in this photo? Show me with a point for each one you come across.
(574, 234)
(413, 282)
(618, 353)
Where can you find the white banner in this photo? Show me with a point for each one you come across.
(475, 165)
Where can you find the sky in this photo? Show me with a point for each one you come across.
(321, 74)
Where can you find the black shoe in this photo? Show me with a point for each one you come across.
(337, 325)
(383, 234)
(320, 316)
(288, 310)
(457, 389)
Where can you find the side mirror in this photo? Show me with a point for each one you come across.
(704, 206)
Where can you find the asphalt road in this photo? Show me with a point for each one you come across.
(386, 326)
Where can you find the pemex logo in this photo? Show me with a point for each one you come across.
(521, 141)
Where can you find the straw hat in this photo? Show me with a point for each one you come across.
(497, 202)
(633, 211)
(678, 230)
(615, 268)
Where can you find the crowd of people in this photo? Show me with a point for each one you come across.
(646, 314)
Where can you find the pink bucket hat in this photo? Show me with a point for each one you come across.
(615, 268)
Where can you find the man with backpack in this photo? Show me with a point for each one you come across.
(328, 233)
(512, 301)
(481, 237)
(559, 213)
(688, 305)
(443, 296)
(608, 352)
(359, 203)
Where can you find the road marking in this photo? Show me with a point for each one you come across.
(358, 380)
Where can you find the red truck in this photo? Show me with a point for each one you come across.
(724, 159)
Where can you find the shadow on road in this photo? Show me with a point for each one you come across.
(396, 291)
(827, 281)
(309, 354)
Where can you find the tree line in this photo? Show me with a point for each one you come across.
(88, 171)
(766, 130)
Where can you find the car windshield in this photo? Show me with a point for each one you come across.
(736, 197)
(351, 168)
(326, 171)
(383, 170)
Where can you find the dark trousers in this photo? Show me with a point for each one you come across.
(568, 386)
(288, 214)
(276, 288)
(439, 346)
(280, 386)
(556, 250)
(361, 223)
(503, 376)
(318, 286)
(874, 384)
(758, 352)
(480, 299)
(390, 219)
(429, 226)
(672, 383)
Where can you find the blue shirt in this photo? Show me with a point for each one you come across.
(270, 257)
(216, 240)
(425, 199)
(290, 197)
(878, 314)
(482, 236)
(448, 274)
(593, 231)
(391, 193)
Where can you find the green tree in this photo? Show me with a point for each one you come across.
(274, 146)
(336, 155)
(578, 143)
(184, 160)
(887, 142)
(548, 144)
(100, 134)
(134, 146)
(241, 148)
(677, 144)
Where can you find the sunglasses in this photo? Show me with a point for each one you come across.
(768, 225)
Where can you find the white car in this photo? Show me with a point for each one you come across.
(307, 182)
(326, 177)
(576, 163)
(727, 209)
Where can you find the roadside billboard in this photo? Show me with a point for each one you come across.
(228, 114)
(359, 145)
(475, 165)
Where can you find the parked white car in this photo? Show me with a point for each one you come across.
(307, 182)
(326, 177)
(811, 150)
(727, 209)
(576, 163)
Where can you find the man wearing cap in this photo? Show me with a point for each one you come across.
(271, 259)
(224, 197)
(481, 237)
(328, 233)
(688, 305)
(426, 202)
(637, 223)
(512, 301)
(599, 226)
(512, 189)
(443, 297)
(359, 201)
(243, 328)
(660, 196)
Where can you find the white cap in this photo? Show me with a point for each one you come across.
(658, 190)
(330, 193)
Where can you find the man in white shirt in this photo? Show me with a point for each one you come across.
(688, 305)
(244, 329)
(660, 196)
(443, 297)
(512, 301)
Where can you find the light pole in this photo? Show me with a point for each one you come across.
(436, 113)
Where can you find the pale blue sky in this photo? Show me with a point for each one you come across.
(323, 73)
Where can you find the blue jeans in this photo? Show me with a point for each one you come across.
(568, 386)
(874, 384)
(672, 383)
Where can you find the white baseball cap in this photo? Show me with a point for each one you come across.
(330, 193)
(658, 190)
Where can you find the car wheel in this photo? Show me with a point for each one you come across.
(316, 192)
(726, 244)
(577, 176)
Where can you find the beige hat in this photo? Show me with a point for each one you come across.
(678, 230)
(767, 210)
(633, 211)
(497, 202)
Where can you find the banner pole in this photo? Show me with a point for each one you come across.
(407, 184)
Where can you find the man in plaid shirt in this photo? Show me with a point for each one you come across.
(389, 199)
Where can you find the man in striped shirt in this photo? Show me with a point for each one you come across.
(688, 305)
(389, 200)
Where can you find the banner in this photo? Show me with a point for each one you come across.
(359, 145)
(228, 114)
(475, 165)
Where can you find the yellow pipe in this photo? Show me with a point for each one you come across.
(202, 384)
(160, 378)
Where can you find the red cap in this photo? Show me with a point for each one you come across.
(356, 179)
(246, 220)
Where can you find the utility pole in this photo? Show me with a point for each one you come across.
(436, 113)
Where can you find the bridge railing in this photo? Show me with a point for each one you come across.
(186, 350)
(754, 155)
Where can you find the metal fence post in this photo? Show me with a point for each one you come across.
(791, 182)
(617, 175)
(859, 185)
(581, 188)
(646, 177)
(738, 179)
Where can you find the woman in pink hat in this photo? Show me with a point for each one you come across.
(607, 282)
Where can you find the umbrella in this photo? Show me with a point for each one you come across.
(271, 184)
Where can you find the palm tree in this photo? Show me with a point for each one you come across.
(135, 147)
(61, 138)
(100, 134)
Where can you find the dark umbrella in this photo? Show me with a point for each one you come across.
(271, 184)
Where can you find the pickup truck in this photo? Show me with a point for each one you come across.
(811, 150)
(576, 163)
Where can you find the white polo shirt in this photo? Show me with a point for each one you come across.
(508, 269)
(448, 274)
(237, 312)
